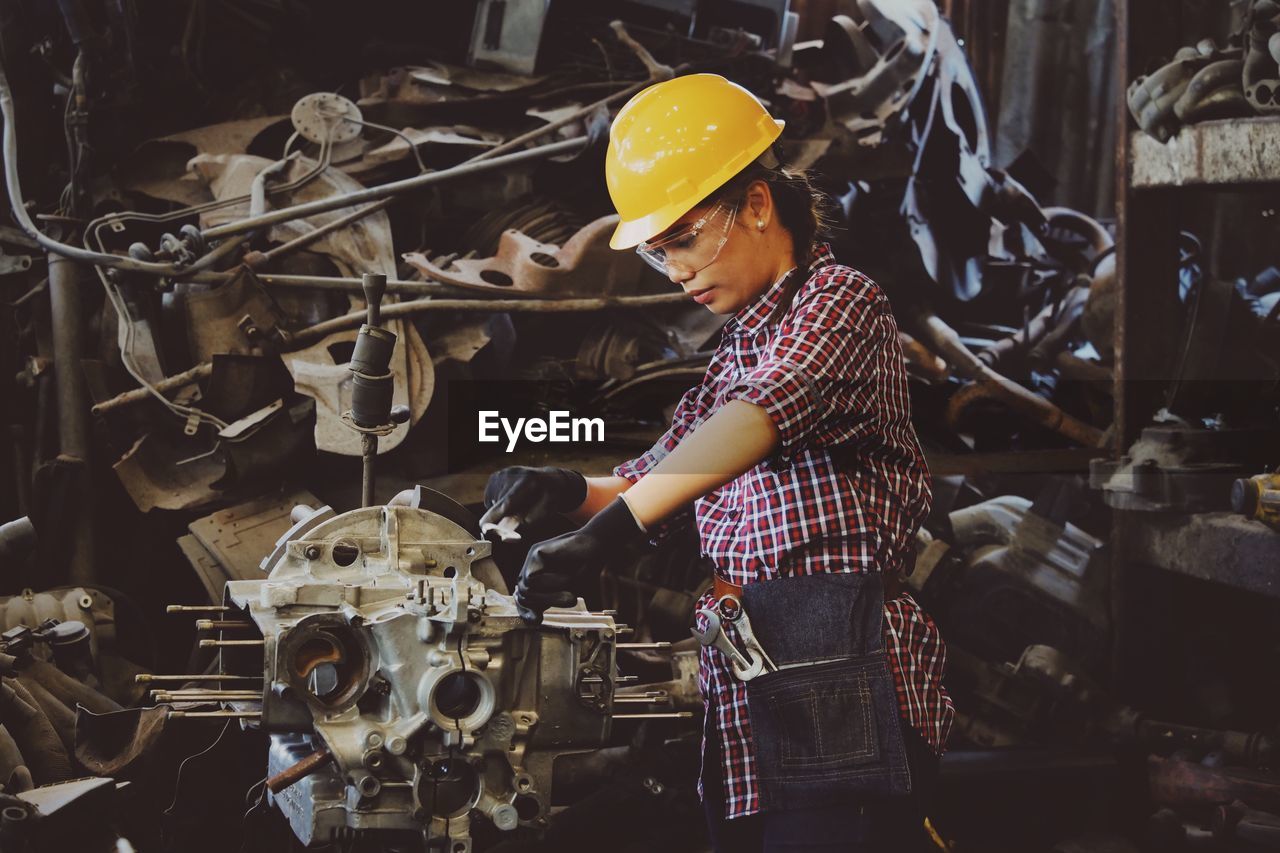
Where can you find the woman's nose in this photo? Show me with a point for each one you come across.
(677, 275)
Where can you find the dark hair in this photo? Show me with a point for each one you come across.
(803, 209)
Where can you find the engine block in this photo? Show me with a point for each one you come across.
(401, 691)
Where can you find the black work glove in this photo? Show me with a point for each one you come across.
(552, 566)
(533, 495)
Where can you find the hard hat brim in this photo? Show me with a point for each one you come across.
(631, 233)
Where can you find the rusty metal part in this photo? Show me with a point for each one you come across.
(1182, 783)
(171, 383)
(220, 625)
(987, 384)
(584, 265)
(302, 769)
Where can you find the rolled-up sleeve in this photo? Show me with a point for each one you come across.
(818, 379)
(685, 416)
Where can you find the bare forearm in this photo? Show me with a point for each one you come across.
(731, 441)
(600, 491)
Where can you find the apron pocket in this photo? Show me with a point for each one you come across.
(825, 732)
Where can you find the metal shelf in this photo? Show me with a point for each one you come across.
(1230, 152)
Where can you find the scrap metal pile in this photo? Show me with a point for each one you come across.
(186, 324)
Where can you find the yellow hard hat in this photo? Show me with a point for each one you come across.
(674, 143)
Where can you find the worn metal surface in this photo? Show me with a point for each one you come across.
(1212, 153)
(1215, 546)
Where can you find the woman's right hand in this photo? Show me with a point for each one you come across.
(532, 496)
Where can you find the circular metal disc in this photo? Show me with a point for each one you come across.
(324, 114)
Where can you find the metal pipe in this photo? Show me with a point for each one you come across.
(196, 608)
(311, 334)
(665, 715)
(304, 768)
(368, 451)
(637, 646)
(221, 625)
(147, 677)
(217, 644)
(66, 310)
(464, 170)
(195, 715)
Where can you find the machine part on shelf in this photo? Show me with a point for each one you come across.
(585, 265)
(1201, 82)
(1258, 497)
(229, 543)
(986, 383)
(1261, 70)
(1181, 468)
(383, 647)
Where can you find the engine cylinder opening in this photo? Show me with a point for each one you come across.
(457, 695)
(448, 787)
(326, 665)
(527, 806)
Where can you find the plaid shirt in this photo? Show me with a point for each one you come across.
(845, 492)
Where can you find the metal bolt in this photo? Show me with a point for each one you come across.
(86, 602)
(374, 740)
(578, 634)
(505, 817)
(396, 745)
(312, 552)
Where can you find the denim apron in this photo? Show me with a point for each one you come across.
(825, 726)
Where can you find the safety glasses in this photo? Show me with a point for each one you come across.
(693, 247)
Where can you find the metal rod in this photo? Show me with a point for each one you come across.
(639, 646)
(192, 715)
(172, 383)
(640, 700)
(221, 625)
(618, 679)
(368, 452)
(301, 211)
(659, 715)
(215, 644)
(299, 771)
(147, 678)
(196, 608)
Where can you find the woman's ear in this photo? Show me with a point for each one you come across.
(758, 206)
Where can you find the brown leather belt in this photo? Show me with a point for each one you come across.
(893, 587)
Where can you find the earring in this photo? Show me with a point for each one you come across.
(760, 224)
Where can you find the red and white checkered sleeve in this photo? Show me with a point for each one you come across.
(818, 382)
(682, 421)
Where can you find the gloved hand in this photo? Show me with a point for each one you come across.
(533, 495)
(553, 566)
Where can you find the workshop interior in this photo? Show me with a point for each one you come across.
(265, 264)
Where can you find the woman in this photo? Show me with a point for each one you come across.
(806, 480)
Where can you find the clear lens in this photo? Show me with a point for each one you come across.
(693, 247)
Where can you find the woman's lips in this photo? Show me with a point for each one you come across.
(702, 297)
